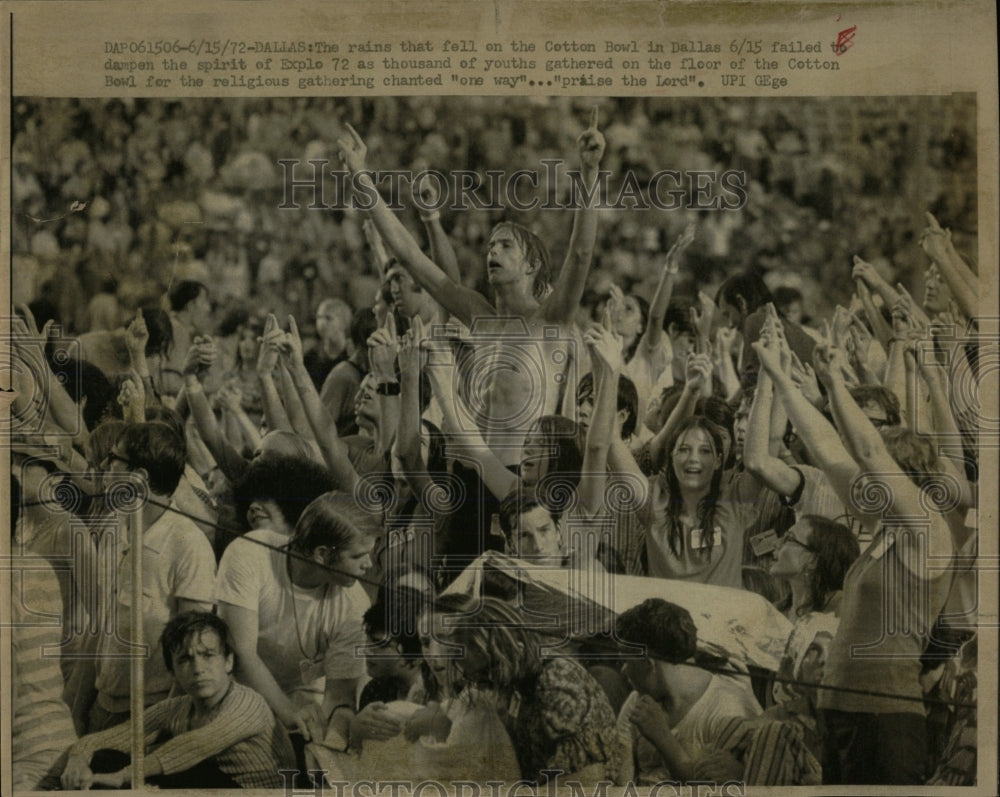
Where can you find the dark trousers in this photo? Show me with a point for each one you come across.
(203, 775)
(866, 749)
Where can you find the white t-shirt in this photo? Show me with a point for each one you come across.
(304, 635)
(177, 562)
(724, 699)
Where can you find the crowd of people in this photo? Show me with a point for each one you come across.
(672, 445)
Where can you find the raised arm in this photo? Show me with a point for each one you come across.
(664, 289)
(561, 305)
(961, 280)
(877, 464)
(880, 327)
(757, 456)
(408, 436)
(442, 252)
(267, 361)
(334, 450)
(826, 450)
(699, 374)
(463, 436)
(464, 303)
(866, 271)
(231, 399)
(382, 347)
(606, 357)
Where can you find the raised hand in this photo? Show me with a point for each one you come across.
(410, 355)
(27, 326)
(725, 337)
(672, 262)
(201, 355)
(865, 272)
(829, 361)
(702, 316)
(137, 336)
(292, 344)
(428, 193)
(698, 372)
(230, 397)
(935, 240)
(615, 306)
(913, 310)
(383, 346)
(267, 355)
(352, 150)
(590, 143)
(605, 345)
(131, 398)
(841, 324)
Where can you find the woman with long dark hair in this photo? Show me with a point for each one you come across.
(692, 531)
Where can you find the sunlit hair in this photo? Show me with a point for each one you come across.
(535, 252)
(708, 504)
(835, 548)
(332, 520)
(915, 455)
(499, 632)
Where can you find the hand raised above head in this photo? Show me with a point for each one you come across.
(353, 150)
(591, 143)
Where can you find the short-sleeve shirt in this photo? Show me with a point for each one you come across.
(719, 564)
(177, 563)
(304, 635)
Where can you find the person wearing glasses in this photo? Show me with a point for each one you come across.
(178, 568)
(812, 556)
(894, 591)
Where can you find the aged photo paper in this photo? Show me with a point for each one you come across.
(824, 147)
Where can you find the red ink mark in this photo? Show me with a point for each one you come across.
(844, 40)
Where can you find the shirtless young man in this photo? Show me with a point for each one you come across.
(527, 357)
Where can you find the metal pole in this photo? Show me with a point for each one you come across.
(138, 658)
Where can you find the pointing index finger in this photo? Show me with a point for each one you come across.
(354, 133)
(593, 118)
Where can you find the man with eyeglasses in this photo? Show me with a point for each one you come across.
(178, 569)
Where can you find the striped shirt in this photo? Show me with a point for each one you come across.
(240, 733)
(42, 727)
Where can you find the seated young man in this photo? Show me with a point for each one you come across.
(680, 709)
(219, 734)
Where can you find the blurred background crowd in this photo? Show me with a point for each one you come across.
(114, 201)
